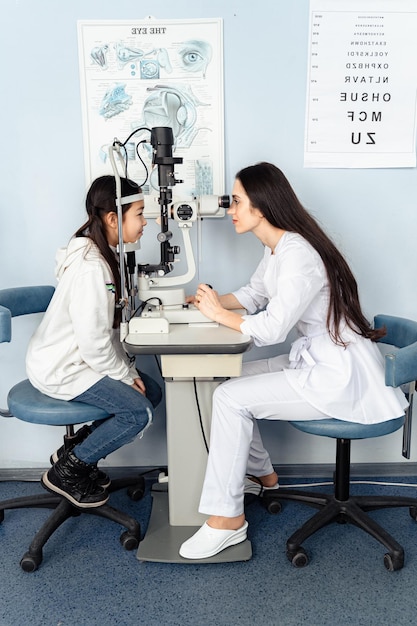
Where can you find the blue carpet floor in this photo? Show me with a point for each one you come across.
(88, 579)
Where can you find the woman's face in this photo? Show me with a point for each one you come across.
(134, 222)
(245, 217)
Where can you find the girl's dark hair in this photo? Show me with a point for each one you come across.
(101, 199)
(269, 191)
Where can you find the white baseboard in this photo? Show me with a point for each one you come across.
(319, 470)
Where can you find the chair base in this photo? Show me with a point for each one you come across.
(351, 511)
(341, 507)
(63, 510)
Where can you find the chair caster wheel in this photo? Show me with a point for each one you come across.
(30, 563)
(393, 563)
(129, 541)
(273, 506)
(136, 492)
(298, 557)
(413, 512)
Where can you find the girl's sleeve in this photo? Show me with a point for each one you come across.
(92, 314)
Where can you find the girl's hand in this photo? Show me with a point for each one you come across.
(139, 385)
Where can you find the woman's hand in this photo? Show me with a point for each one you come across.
(217, 308)
(139, 385)
(207, 301)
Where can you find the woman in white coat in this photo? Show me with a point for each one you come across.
(334, 368)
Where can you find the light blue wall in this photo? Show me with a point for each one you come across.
(371, 214)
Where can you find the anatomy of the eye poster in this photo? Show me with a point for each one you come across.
(141, 74)
(362, 84)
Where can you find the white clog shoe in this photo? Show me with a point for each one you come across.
(208, 541)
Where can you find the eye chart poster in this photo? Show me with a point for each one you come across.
(140, 74)
(362, 84)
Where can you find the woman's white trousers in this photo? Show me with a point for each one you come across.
(236, 448)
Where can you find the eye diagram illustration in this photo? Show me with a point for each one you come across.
(99, 55)
(115, 101)
(149, 69)
(127, 55)
(195, 56)
(172, 106)
(153, 61)
(203, 177)
(150, 62)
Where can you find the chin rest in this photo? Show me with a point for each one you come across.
(340, 506)
(30, 405)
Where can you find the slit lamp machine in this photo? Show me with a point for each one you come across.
(162, 297)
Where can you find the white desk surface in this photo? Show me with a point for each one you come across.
(190, 339)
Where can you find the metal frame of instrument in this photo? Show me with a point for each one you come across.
(152, 281)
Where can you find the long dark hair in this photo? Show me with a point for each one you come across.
(101, 199)
(269, 191)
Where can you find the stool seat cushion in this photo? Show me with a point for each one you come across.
(30, 405)
(340, 429)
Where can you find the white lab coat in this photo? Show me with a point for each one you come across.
(318, 379)
(343, 382)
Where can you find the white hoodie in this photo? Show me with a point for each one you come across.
(75, 345)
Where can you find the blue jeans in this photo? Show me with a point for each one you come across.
(131, 412)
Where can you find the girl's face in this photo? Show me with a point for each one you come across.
(134, 222)
(245, 217)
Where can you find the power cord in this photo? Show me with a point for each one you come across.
(352, 482)
(203, 434)
(158, 363)
(144, 303)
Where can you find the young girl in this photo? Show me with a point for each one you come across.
(76, 353)
(334, 368)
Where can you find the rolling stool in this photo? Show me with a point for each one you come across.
(30, 405)
(400, 368)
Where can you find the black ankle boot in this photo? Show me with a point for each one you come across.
(99, 476)
(78, 437)
(74, 479)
